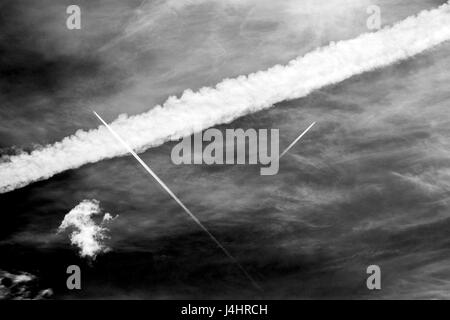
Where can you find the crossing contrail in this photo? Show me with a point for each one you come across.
(233, 98)
(166, 188)
(296, 140)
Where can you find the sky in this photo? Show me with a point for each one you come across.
(369, 184)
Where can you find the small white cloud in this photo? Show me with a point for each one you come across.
(87, 235)
(108, 217)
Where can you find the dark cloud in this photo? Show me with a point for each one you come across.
(49, 74)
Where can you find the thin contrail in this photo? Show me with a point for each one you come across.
(296, 140)
(165, 187)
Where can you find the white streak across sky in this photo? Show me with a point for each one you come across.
(181, 204)
(233, 98)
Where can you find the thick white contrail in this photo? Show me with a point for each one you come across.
(233, 98)
(165, 187)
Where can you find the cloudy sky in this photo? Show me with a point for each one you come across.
(370, 184)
